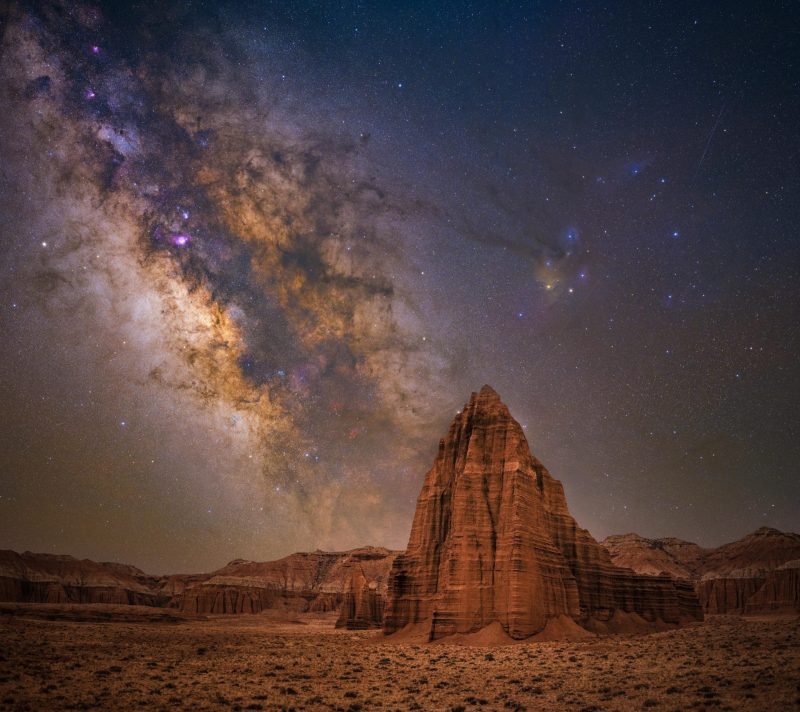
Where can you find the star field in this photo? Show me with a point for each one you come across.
(254, 256)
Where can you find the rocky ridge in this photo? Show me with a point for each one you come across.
(52, 578)
(755, 574)
(316, 581)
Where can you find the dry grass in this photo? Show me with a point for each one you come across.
(258, 662)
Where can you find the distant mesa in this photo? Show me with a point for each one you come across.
(759, 574)
(493, 544)
(315, 582)
(58, 579)
(299, 583)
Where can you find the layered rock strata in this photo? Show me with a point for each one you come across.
(303, 582)
(51, 578)
(750, 575)
(728, 594)
(363, 605)
(780, 592)
(493, 540)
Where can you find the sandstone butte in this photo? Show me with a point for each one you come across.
(493, 544)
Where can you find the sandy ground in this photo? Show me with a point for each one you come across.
(101, 661)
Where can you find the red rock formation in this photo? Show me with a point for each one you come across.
(363, 605)
(673, 557)
(299, 582)
(726, 578)
(364, 597)
(493, 540)
(49, 578)
(765, 549)
(728, 594)
(780, 592)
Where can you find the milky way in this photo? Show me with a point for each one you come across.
(242, 258)
(249, 275)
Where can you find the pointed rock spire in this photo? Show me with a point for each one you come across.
(488, 393)
(493, 541)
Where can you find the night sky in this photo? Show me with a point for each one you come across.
(254, 256)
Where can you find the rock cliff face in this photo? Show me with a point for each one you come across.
(728, 594)
(674, 557)
(780, 592)
(49, 578)
(300, 582)
(745, 576)
(363, 605)
(493, 540)
(293, 583)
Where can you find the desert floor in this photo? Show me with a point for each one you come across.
(51, 659)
